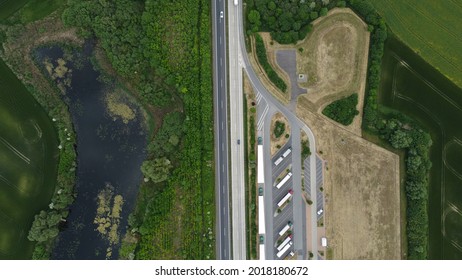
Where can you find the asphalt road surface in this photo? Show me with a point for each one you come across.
(296, 124)
(236, 135)
(223, 236)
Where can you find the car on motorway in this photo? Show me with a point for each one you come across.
(221, 14)
(238, 141)
(320, 211)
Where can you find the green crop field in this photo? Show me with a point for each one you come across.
(431, 28)
(28, 158)
(31, 9)
(8, 7)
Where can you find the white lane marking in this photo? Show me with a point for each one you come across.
(222, 125)
(260, 121)
(223, 167)
(221, 82)
(222, 146)
(220, 41)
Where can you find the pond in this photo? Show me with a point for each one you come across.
(413, 87)
(111, 141)
(28, 164)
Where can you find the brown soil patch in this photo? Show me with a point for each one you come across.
(334, 57)
(282, 140)
(361, 187)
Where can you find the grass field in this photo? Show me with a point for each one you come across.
(31, 9)
(430, 28)
(8, 7)
(38, 9)
(28, 158)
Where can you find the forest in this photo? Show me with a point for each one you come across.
(287, 21)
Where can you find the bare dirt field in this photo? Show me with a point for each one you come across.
(334, 58)
(362, 198)
(277, 143)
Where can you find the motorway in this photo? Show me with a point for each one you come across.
(238, 59)
(236, 122)
(223, 228)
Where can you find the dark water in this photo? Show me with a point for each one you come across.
(109, 153)
(413, 87)
(28, 164)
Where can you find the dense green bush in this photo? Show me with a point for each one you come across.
(279, 128)
(263, 60)
(305, 150)
(343, 110)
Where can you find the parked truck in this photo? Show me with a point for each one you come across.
(285, 198)
(284, 180)
(285, 249)
(278, 161)
(284, 243)
(285, 229)
(287, 152)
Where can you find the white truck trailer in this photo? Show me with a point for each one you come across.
(285, 198)
(236, 2)
(285, 242)
(262, 252)
(285, 229)
(278, 161)
(261, 215)
(260, 172)
(287, 152)
(285, 249)
(284, 180)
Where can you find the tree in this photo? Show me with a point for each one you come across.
(44, 226)
(400, 139)
(323, 12)
(254, 18)
(157, 170)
